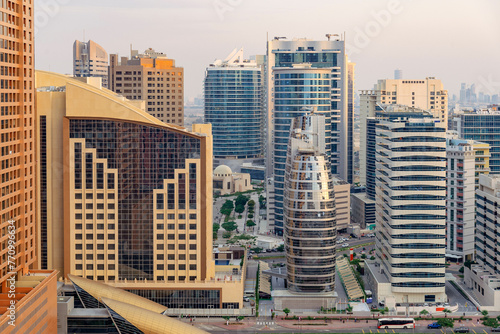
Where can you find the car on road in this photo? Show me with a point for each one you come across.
(462, 330)
(434, 325)
(345, 245)
(495, 329)
(246, 299)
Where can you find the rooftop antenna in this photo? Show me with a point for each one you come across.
(331, 35)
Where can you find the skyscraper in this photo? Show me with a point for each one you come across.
(153, 78)
(304, 74)
(427, 94)
(90, 60)
(309, 209)
(398, 74)
(28, 298)
(234, 106)
(411, 209)
(127, 198)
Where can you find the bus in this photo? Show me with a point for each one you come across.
(396, 323)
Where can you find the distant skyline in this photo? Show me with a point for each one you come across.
(455, 41)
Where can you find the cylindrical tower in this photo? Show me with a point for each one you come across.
(309, 209)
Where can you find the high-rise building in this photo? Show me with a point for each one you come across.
(303, 75)
(90, 60)
(309, 209)
(234, 106)
(427, 94)
(483, 126)
(411, 209)
(28, 297)
(363, 205)
(127, 199)
(488, 220)
(153, 78)
(460, 217)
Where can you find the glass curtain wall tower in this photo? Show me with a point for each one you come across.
(304, 74)
(233, 105)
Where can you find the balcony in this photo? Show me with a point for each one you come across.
(460, 164)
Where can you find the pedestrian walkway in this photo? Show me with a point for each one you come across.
(349, 281)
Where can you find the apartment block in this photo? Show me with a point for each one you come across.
(411, 210)
(151, 77)
(90, 60)
(428, 94)
(28, 296)
(460, 193)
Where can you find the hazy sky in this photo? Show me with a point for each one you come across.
(453, 40)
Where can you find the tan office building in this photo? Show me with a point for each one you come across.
(90, 60)
(151, 77)
(129, 198)
(28, 297)
(428, 94)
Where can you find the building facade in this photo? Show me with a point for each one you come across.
(153, 78)
(128, 199)
(234, 106)
(303, 75)
(482, 126)
(309, 207)
(487, 221)
(460, 193)
(28, 297)
(428, 94)
(90, 60)
(411, 208)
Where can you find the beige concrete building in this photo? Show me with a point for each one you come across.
(428, 94)
(28, 297)
(411, 209)
(90, 60)
(99, 153)
(227, 182)
(342, 191)
(151, 77)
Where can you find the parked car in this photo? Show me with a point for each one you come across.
(434, 325)
(246, 299)
(345, 245)
(462, 330)
(495, 329)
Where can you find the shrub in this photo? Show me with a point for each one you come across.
(445, 322)
(250, 223)
(250, 215)
(226, 235)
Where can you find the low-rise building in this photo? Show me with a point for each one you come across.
(227, 182)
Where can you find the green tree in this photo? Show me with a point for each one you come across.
(226, 235)
(239, 208)
(251, 203)
(250, 223)
(281, 248)
(372, 258)
(227, 207)
(250, 215)
(229, 226)
(484, 313)
(215, 227)
(490, 322)
(424, 312)
(445, 322)
(241, 317)
(446, 310)
(363, 256)
(241, 200)
(286, 310)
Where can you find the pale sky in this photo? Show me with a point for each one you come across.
(453, 40)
